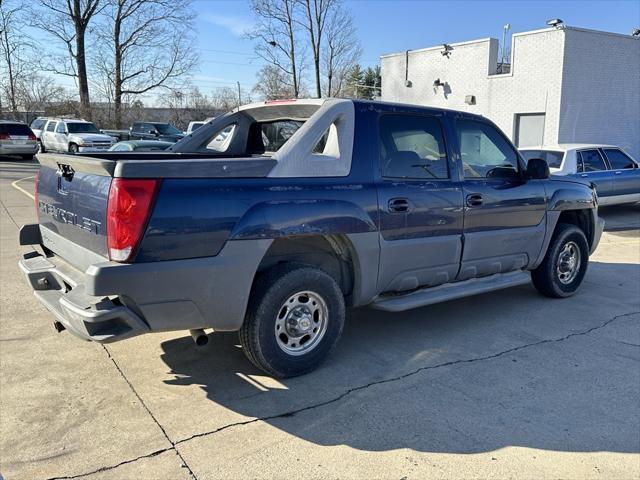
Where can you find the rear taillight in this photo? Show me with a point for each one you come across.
(5, 136)
(128, 210)
(35, 193)
(32, 137)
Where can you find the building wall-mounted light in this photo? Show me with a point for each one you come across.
(635, 32)
(438, 83)
(447, 50)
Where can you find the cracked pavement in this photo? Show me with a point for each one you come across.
(499, 385)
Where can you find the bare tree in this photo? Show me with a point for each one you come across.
(315, 19)
(38, 92)
(227, 99)
(68, 21)
(149, 45)
(341, 53)
(271, 84)
(276, 38)
(15, 49)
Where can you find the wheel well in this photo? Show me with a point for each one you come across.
(581, 219)
(330, 253)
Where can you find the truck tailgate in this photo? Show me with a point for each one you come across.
(73, 204)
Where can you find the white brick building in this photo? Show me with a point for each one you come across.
(567, 85)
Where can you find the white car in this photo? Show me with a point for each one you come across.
(37, 125)
(74, 136)
(193, 126)
(615, 174)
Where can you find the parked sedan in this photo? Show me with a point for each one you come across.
(16, 138)
(140, 146)
(614, 173)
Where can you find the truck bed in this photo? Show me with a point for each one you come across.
(162, 164)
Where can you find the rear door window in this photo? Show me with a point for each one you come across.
(592, 161)
(60, 128)
(618, 159)
(412, 146)
(51, 126)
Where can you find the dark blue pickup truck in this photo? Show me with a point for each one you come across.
(272, 219)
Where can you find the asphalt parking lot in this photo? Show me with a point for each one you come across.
(495, 386)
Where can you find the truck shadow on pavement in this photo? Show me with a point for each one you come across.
(509, 368)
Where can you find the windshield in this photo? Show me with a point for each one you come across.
(82, 128)
(553, 158)
(167, 129)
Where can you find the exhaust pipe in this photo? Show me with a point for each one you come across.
(199, 337)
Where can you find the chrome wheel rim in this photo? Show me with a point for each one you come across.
(568, 262)
(301, 322)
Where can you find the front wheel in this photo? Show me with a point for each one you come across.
(294, 319)
(73, 148)
(561, 272)
(41, 148)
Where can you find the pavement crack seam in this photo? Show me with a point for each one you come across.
(9, 215)
(144, 405)
(327, 402)
(406, 375)
(111, 467)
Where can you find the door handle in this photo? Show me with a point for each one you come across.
(399, 205)
(474, 200)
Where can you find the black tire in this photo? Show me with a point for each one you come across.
(73, 148)
(41, 148)
(266, 306)
(547, 277)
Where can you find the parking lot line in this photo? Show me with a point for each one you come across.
(20, 189)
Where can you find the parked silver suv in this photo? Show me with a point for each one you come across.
(16, 138)
(73, 135)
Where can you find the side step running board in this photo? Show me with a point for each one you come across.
(450, 291)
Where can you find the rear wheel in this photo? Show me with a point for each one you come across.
(561, 272)
(294, 319)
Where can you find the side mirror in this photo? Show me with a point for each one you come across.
(537, 169)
